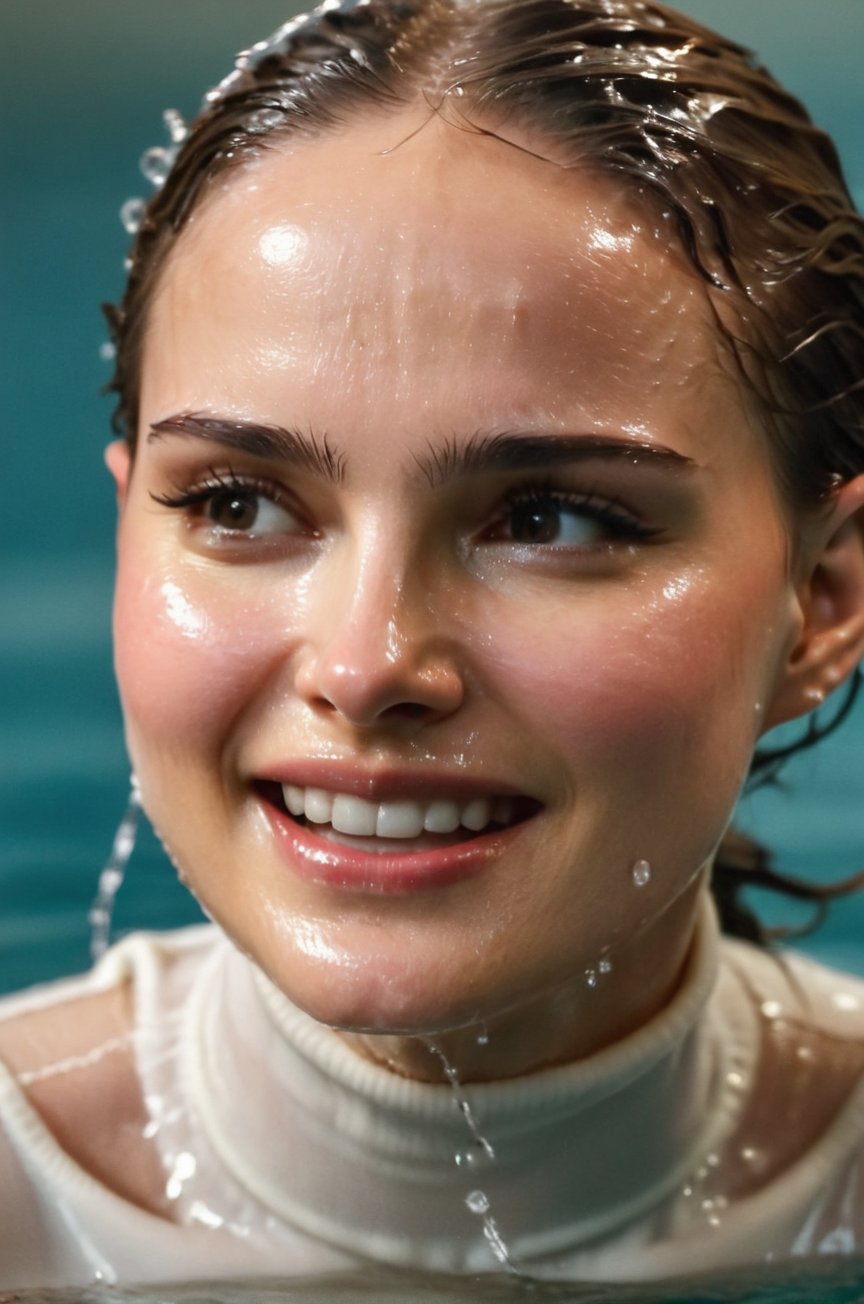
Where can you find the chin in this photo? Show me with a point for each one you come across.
(380, 995)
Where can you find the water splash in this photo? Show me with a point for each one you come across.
(132, 214)
(265, 120)
(111, 877)
(480, 1153)
(175, 126)
(478, 1203)
(155, 164)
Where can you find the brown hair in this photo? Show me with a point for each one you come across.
(679, 113)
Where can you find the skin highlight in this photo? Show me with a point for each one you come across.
(385, 624)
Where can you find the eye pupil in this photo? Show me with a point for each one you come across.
(535, 523)
(233, 511)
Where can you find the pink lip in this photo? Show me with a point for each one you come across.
(385, 783)
(334, 865)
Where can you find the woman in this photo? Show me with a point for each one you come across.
(490, 482)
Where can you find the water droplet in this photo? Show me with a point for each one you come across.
(264, 120)
(772, 1009)
(605, 966)
(132, 214)
(177, 129)
(483, 1037)
(183, 1168)
(155, 165)
(591, 977)
(107, 351)
(641, 873)
(477, 1202)
(479, 1153)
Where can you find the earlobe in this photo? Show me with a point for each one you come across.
(118, 460)
(831, 604)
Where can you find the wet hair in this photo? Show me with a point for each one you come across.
(684, 117)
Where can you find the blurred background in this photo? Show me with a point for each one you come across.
(82, 92)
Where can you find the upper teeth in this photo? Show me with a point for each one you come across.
(394, 819)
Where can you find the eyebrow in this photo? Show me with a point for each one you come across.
(513, 451)
(482, 452)
(296, 447)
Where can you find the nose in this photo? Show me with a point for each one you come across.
(381, 652)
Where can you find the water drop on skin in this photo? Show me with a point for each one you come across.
(641, 873)
(605, 966)
(591, 977)
(477, 1202)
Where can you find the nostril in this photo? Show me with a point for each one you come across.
(409, 710)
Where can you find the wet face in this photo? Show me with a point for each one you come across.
(453, 583)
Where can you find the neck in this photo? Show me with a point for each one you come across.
(562, 1026)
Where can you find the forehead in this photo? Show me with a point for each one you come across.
(411, 260)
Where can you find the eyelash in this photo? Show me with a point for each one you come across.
(227, 482)
(623, 526)
(605, 511)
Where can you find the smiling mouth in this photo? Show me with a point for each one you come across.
(397, 825)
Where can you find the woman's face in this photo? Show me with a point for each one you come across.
(447, 511)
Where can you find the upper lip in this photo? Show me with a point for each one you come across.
(386, 783)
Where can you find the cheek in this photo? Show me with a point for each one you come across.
(189, 654)
(647, 685)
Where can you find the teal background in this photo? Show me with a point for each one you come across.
(83, 86)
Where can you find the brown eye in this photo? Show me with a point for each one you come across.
(231, 510)
(550, 519)
(536, 522)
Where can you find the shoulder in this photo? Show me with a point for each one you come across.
(799, 991)
(801, 1100)
(71, 1073)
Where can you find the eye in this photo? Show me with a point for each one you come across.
(246, 511)
(231, 507)
(552, 521)
(555, 518)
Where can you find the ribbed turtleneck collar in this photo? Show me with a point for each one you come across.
(365, 1160)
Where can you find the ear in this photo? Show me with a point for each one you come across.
(830, 600)
(119, 462)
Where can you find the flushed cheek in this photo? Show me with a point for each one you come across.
(647, 692)
(189, 657)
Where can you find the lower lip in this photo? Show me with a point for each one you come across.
(335, 865)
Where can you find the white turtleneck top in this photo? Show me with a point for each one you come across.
(729, 1130)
